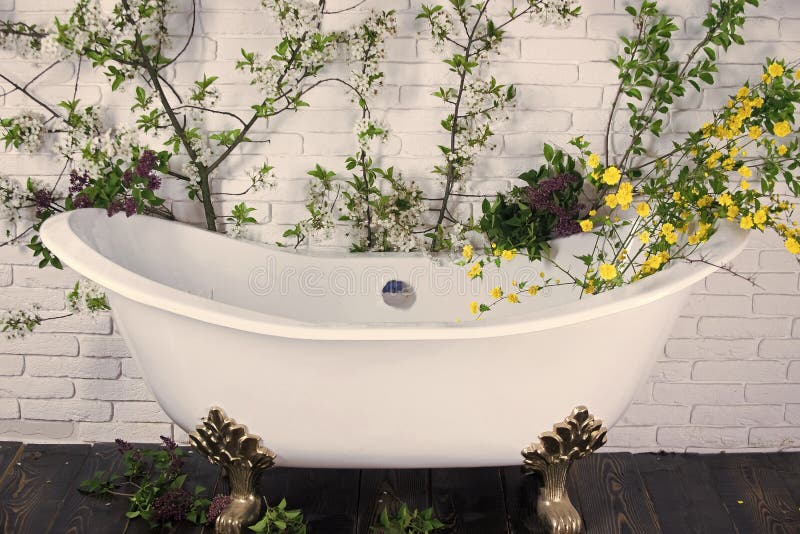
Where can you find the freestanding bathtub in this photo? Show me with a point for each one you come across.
(303, 349)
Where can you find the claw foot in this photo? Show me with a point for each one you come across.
(240, 514)
(560, 517)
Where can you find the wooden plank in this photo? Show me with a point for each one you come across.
(39, 479)
(382, 487)
(469, 501)
(520, 493)
(683, 494)
(87, 513)
(327, 497)
(613, 497)
(9, 450)
(754, 494)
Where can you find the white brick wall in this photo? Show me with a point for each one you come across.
(730, 375)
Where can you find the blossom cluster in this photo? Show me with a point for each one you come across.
(365, 48)
(25, 132)
(13, 198)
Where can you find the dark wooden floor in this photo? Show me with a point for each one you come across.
(645, 493)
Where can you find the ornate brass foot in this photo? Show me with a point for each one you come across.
(228, 445)
(578, 436)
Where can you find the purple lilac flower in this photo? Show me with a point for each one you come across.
(123, 446)
(82, 201)
(169, 443)
(77, 182)
(153, 181)
(42, 198)
(542, 198)
(129, 206)
(217, 506)
(147, 162)
(127, 176)
(172, 506)
(114, 208)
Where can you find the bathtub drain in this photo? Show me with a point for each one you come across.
(398, 294)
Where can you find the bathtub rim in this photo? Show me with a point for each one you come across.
(58, 235)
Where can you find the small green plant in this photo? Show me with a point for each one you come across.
(277, 519)
(154, 483)
(407, 522)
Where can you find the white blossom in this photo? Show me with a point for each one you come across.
(13, 197)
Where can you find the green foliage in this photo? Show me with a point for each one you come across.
(407, 522)
(514, 221)
(147, 475)
(279, 520)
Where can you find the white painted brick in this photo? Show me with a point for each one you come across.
(631, 436)
(9, 409)
(567, 50)
(739, 415)
(794, 372)
(36, 431)
(735, 305)
(776, 304)
(684, 327)
(103, 347)
(793, 414)
(702, 436)
(139, 412)
(29, 276)
(11, 364)
(790, 29)
(779, 348)
(121, 389)
(765, 393)
(689, 393)
(12, 298)
(728, 283)
(739, 371)
(671, 371)
(712, 348)
(60, 366)
(23, 387)
(741, 326)
(47, 344)
(79, 323)
(66, 410)
(781, 437)
(655, 414)
(130, 369)
(135, 432)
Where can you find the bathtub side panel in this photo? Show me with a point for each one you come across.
(395, 403)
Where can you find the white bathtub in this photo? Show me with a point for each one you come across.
(302, 349)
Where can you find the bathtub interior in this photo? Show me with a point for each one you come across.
(333, 288)
(316, 287)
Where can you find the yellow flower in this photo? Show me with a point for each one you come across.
(586, 225)
(745, 171)
(766, 78)
(607, 271)
(755, 132)
(792, 245)
(533, 290)
(592, 213)
(745, 185)
(625, 195)
(676, 196)
(705, 200)
(713, 159)
(496, 293)
(782, 129)
(760, 217)
(642, 209)
(475, 270)
(508, 255)
(667, 228)
(775, 70)
(467, 252)
(611, 200)
(733, 211)
(742, 93)
(782, 149)
(513, 298)
(473, 307)
(746, 222)
(594, 161)
(644, 237)
(797, 74)
(725, 199)
(611, 175)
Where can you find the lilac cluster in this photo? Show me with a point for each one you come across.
(42, 199)
(123, 446)
(126, 205)
(172, 506)
(217, 506)
(544, 198)
(145, 169)
(78, 182)
(175, 461)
